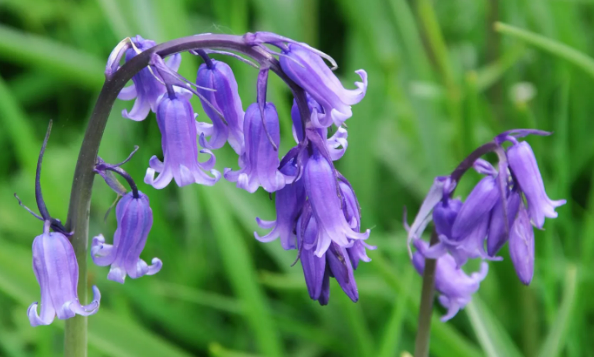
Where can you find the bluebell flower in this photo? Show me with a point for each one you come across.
(352, 213)
(175, 117)
(289, 203)
(335, 262)
(322, 192)
(476, 208)
(146, 88)
(521, 246)
(259, 163)
(525, 169)
(219, 76)
(453, 284)
(497, 235)
(134, 219)
(56, 270)
(336, 144)
(309, 71)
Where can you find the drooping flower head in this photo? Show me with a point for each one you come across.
(135, 219)
(225, 98)
(175, 117)
(146, 88)
(259, 164)
(494, 211)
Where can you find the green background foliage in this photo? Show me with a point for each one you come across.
(442, 80)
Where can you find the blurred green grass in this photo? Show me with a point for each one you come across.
(442, 81)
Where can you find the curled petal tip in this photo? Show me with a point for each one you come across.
(155, 267)
(34, 318)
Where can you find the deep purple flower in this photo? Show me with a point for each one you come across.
(219, 76)
(525, 169)
(497, 235)
(146, 88)
(444, 216)
(335, 144)
(180, 148)
(454, 285)
(259, 163)
(289, 202)
(476, 208)
(309, 71)
(56, 270)
(317, 270)
(521, 246)
(314, 267)
(135, 219)
(351, 210)
(322, 192)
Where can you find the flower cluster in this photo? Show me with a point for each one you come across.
(504, 206)
(317, 211)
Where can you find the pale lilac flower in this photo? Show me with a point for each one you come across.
(219, 76)
(175, 117)
(56, 270)
(521, 246)
(146, 88)
(289, 203)
(135, 219)
(259, 163)
(525, 169)
(322, 191)
(309, 71)
(454, 285)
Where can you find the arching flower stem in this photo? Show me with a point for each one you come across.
(75, 340)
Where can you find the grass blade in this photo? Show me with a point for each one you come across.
(556, 48)
(555, 339)
(491, 335)
(241, 271)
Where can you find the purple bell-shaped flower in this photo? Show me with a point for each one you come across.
(335, 262)
(289, 202)
(56, 270)
(135, 219)
(322, 191)
(453, 284)
(259, 163)
(525, 169)
(309, 71)
(521, 246)
(219, 76)
(146, 88)
(175, 117)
